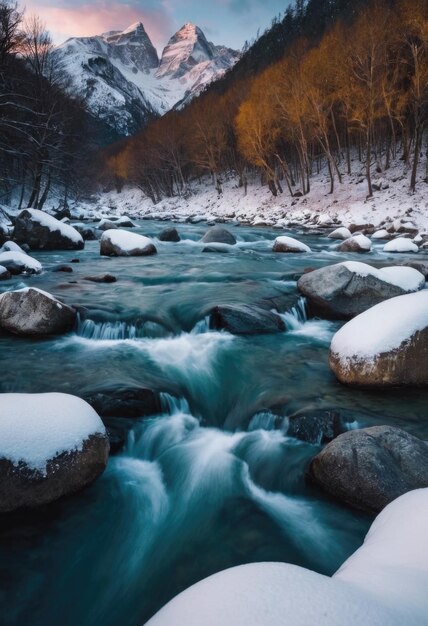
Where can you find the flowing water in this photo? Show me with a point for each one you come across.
(214, 480)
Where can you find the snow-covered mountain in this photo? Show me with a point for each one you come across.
(124, 82)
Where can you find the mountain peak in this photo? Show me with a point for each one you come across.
(185, 49)
(138, 26)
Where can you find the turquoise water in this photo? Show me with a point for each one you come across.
(212, 482)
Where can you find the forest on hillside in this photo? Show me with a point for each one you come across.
(325, 87)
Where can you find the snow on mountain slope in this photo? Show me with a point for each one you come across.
(124, 83)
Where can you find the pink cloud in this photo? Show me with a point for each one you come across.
(97, 17)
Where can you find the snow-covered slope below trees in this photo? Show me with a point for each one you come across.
(124, 82)
(348, 204)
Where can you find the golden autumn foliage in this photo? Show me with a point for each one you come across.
(363, 86)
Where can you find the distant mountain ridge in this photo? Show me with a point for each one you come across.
(125, 83)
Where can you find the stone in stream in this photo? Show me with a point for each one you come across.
(51, 445)
(63, 268)
(289, 245)
(4, 273)
(216, 249)
(357, 243)
(245, 320)
(169, 234)
(129, 402)
(43, 232)
(316, 426)
(34, 313)
(218, 234)
(340, 233)
(102, 278)
(124, 243)
(87, 232)
(344, 290)
(384, 346)
(107, 225)
(369, 468)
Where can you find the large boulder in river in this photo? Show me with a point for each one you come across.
(344, 290)
(401, 244)
(20, 263)
(124, 243)
(340, 233)
(245, 320)
(386, 345)
(129, 402)
(31, 312)
(4, 273)
(169, 234)
(357, 243)
(43, 232)
(51, 445)
(290, 245)
(218, 234)
(369, 468)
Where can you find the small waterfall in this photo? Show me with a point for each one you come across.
(108, 331)
(296, 316)
(265, 420)
(203, 326)
(173, 405)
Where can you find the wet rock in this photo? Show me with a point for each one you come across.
(63, 268)
(34, 313)
(43, 232)
(129, 402)
(369, 468)
(218, 234)
(344, 290)
(316, 426)
(169, 234)
(107, 225)
(218, 249)
(117, 439)
(245, 320)
(103, 278)
(363, 226)
(87, 232)
(4, 273)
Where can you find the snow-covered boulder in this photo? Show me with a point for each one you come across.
(10, 246)
(218, 234)
(356, 243)
(382, 584)
(289, 244)
(169, 234)
(344, 290)
(87, 233)
(43, 232)
(51, 445)
(386, 345)
(105, 224)
(324, 220)
(401, 244)
(369, 468)
(381, 234)
(20, 263)
(123, 243)
(32, 312)
(124, 222)
(340, 233)
(4, 273)
(245, 320)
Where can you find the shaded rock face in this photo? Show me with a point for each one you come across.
(369, 468)
(420, 266)
(218, 234)
(316, 426)
(87, 233)
(169, 234)
(22, 487)
(245, 320)
(40, 237)
(335, 292)
(126, 402)
(106, 225)
(33, 313)
(4, 273)
(406, 365)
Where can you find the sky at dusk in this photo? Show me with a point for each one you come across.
(228, 22)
